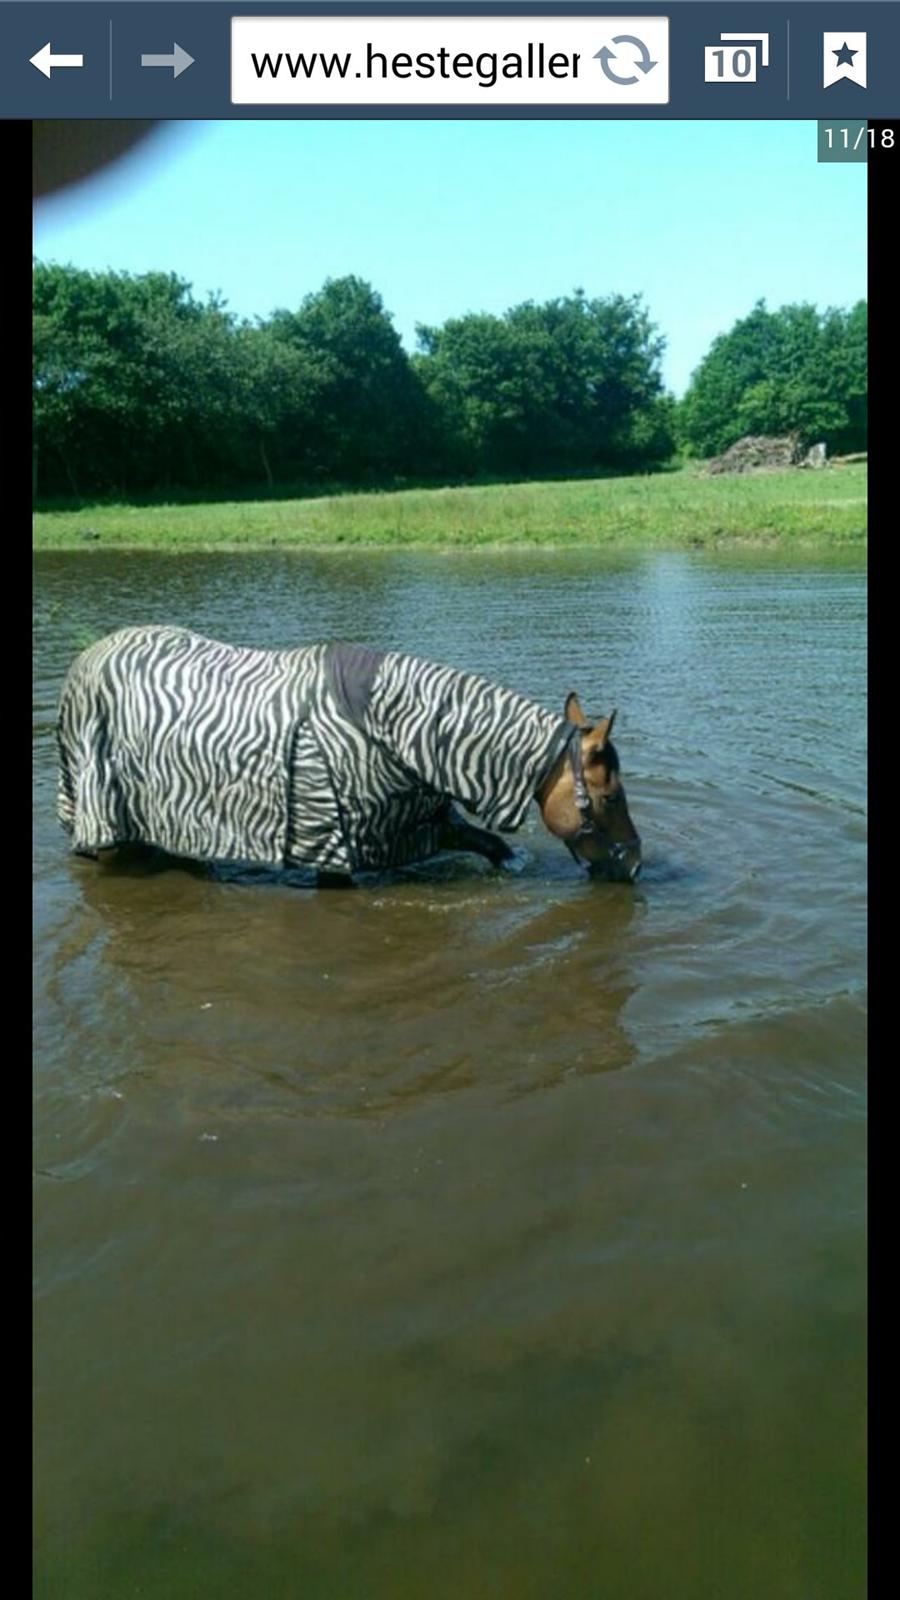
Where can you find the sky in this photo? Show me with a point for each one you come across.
(701, 219)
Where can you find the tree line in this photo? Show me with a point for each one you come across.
(140, 388)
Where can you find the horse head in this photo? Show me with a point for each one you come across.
(582, 801)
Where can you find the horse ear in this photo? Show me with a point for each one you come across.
(595, 741)
(573, 710)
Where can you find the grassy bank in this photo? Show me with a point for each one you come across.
(678, 510)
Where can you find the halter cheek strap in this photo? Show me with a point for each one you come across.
(582, 799)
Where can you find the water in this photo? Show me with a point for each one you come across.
(483, 1233)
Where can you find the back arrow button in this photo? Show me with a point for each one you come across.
(45, 62)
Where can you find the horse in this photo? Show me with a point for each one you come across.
(334, 757)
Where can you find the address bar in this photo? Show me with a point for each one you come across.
(411, 60)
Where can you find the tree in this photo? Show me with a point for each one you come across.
(546, 387)
(131, 378)
(363, 424)
(141, 388)
(778, 372)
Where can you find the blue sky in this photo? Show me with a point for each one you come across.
(702, 219)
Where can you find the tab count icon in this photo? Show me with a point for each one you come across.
(736, 58)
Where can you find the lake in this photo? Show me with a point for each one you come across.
(481, 1232)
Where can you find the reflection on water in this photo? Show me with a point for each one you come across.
(482, 1231)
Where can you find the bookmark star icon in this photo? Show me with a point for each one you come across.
(844, 57)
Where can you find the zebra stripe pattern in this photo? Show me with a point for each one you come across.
(331, 757)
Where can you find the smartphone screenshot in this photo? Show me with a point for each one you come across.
(449, 475)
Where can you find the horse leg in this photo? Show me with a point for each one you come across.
(102, 852)
(460, 835)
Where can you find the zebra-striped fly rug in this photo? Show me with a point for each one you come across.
(334, 756)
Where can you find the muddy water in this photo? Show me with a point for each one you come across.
(479, 1233)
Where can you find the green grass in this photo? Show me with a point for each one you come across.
(677, 510)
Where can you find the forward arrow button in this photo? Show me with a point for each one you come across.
(179, 61)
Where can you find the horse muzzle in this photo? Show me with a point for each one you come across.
(621, 863)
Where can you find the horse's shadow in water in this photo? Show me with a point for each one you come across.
(439, 991)
(526, 868)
